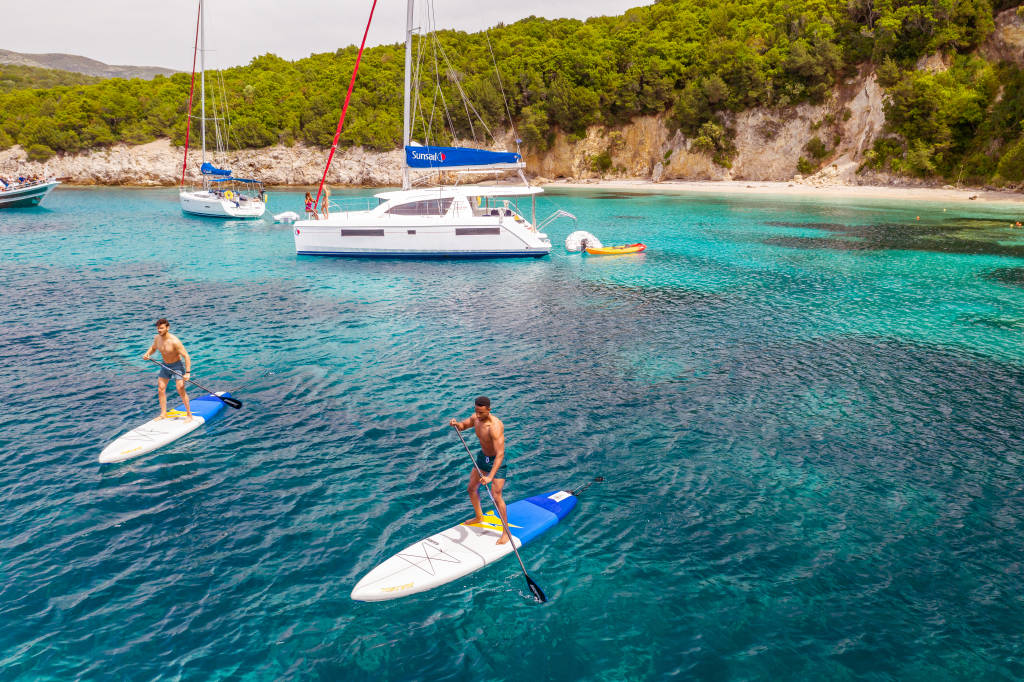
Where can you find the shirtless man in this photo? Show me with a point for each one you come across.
(491, 460)
(172, 351)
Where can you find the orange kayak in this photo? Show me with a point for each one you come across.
(617, 250)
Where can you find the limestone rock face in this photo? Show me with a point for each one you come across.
(160, 162)
(768, 141)
(1006, 42)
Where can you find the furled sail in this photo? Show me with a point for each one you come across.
(459, 158)
(210, 169)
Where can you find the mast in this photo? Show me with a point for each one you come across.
(202, 74)
(406, 112)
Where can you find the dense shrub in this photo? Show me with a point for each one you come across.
(39, 152)
(1011, 166)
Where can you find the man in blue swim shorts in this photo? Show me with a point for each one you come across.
(490, 463)
(172, 351)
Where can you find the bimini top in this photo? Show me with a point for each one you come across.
(249, 180)
(452, 191)
(457, 158)
(210, 169)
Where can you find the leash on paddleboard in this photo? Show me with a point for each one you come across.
(230, 402)
(577, 491)
(534, 587)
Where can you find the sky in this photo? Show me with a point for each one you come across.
(161, 32)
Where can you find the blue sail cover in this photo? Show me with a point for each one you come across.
(210, 169)
(455, 157)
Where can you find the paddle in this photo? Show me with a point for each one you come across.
(534, 587)
(230, 402)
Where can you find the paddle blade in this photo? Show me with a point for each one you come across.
(535, 589)
(231, 402)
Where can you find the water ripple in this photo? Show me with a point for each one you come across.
(808, 416)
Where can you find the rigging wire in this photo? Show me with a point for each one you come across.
(344, 108)
(501, 87)
(439, 91)
(453, 76)
(191, 90)
(227, 113)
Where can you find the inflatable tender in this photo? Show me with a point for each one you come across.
(286, 217)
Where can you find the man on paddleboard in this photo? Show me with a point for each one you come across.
(172, 351)
(490, 461)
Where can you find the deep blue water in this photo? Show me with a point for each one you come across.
(809, 416)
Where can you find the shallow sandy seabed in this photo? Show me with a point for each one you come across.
(802, 190)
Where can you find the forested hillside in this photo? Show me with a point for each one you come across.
(16, 77)
(696, 60)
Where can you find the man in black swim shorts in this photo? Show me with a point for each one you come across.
(172, 350)
(490, 463)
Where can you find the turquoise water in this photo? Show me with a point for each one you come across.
(809, 416)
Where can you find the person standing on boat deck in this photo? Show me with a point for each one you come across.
(310, 211)
(491, 461)
(327, 201)
(172, 350)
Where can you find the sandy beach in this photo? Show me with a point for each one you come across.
(804, 190)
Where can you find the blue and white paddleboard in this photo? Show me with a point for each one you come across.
(456, 552)
(157, 433)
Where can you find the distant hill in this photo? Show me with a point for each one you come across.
(83, 65)
(16, 77)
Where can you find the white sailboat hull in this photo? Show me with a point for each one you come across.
(208, 204)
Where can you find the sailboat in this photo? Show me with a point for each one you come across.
(223, 195)
(444, 221)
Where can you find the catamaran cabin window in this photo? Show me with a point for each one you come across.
(429, 207)
(362, 233)
(477, 230)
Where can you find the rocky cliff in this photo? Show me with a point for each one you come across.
(769, 144)
(159, 163)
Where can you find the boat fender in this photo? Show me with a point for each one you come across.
(574, 242)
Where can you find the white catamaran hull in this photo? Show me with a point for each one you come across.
(447, 222)
(211, 205)
(31, 195)
(470, 239)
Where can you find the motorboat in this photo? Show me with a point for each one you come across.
(25, 193)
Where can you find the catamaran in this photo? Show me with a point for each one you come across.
(444, 221)
(222, 195)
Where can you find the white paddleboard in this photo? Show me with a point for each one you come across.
(462, 549)
(159, 432)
